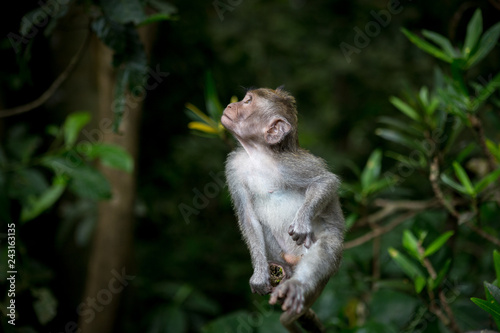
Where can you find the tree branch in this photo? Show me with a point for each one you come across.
(53, 87)
(379, 231)
(388, 208)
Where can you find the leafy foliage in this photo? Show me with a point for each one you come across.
(420, 191)
(492, 291)
(203, 124)
(430, 131)
(68, 161)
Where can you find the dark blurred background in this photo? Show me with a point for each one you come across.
(176, 238)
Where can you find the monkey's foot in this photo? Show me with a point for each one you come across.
(277, 274)
(291, 294)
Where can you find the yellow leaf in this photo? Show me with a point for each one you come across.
(234, 99)
(196, 125)
(200, 114)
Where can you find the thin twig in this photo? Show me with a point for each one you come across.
(390, 207)
(380, 230)
(452, 321)
(433, 178)
(448, 319)
(495, 4)
(479, 130)
(53, 87)
(484, 234)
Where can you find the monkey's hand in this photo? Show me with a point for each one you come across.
(291, 294)
(302, 233)
(260, 284)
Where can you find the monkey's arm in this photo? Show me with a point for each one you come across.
(320, 190)
(318, 195)
(254, 237)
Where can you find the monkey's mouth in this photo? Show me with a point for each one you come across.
(225, 115)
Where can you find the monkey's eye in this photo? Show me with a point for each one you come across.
(248, 100)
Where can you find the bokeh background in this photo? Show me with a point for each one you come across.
(133, 231)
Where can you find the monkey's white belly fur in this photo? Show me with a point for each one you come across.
(276, 206)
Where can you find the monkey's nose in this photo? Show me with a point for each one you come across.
(229, 106)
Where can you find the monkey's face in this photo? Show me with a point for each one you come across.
(244, 118)
(254, 120)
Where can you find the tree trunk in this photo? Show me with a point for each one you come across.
(109, 270)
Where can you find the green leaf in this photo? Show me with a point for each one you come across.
(410, 243)
(487, 180)
(494, 291)
(212, 102)
(423, 94)
(372, 169)
(427, 47)
(123, 12)
(450, 182)
(85, 181)
(110, 155)
(487, 43)
(474, 30)
(443, 42)
(401, 126)
(442, 273)
(492, 296)
(405, 264)
(494, 149)
(397, 137)
(432, 106)
(129, 78)
(491, 307)
(73, 125)
(37, 205)
(487, 91)
(158, 17)
(422, 162)
(379, 185)
(26, 183)
(464, 178)
(350, 220)
(419, 284)
(437, 243)
(129, 58)
(405, 108)
(165, 10)
(465, 152)
(45, 305)
(496, 261)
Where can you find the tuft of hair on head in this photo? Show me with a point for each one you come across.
(249, 89)
(286, 97)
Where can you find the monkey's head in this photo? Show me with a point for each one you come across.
(264, 117)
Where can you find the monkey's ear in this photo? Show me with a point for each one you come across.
(277, 130)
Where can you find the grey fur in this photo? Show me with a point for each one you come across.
(287, 206)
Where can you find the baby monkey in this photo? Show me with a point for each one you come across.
(287, 204)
